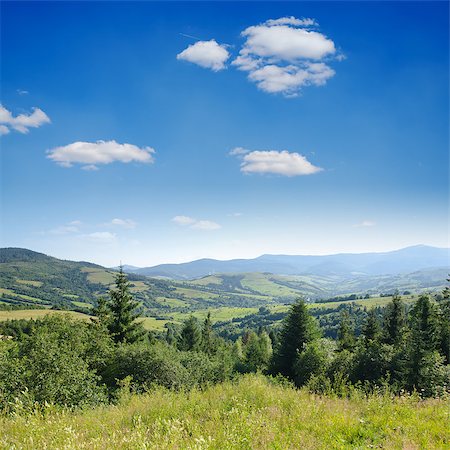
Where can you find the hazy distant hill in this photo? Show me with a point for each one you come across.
(406, 260)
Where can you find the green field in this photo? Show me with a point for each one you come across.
(38, 314)
(251, 413)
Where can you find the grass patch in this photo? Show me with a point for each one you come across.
(38, 314)
(251, 413)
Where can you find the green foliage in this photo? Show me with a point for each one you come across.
(299, 328)
(119, 314)
(394, 321)
(190, 336)
(255, 351)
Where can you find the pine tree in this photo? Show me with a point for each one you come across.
(208, 339)
(122, 323)
(394, 321)
(423, 342)
(191, 335)
(346, 334)
(371, 329)
(299, 328)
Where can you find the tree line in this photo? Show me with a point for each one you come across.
(72, 363)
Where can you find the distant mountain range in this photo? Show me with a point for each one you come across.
(344, 265)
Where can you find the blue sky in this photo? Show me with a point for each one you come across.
(342, 126)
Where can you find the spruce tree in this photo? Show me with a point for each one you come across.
(208, 338)
(346, 334)
(298, 329)
(394, 321)
(122, 323)
(371, 329)
(191, 335)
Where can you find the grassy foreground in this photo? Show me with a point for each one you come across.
(252, 413)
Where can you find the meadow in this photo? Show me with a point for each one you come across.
(251, 412)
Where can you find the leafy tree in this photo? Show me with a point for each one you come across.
(121, 322)
(298, 329)
(191, 335)
(314, 360)
(394, 321)
(255, 351)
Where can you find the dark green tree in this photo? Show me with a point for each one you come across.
(394, 321)
(209, 341)
(122, 323)
(190, 336)
(346, 334)
(371, 328)
(298, 329)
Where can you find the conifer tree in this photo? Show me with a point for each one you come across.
(122, 323)
(371, 329)
(191, 335)
(208, 338)
(299, 328)
(346, 335)
(394, 321)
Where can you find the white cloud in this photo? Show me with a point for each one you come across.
(22, 92)
(104, 237)
(22, 122)
(238, 151)
(281, 56)
(277, 162)
(364, 224)
(285, 42)
(289, 79)
(100, 152)
(236, 214)
(292, 21)
(207, 54)
(196, 224)
(124, 223)
(183, 220)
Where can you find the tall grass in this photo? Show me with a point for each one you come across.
(251, 413)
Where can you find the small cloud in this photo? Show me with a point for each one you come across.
(101, 237)
(277, 162)
(101, 152)
(292, 21)
(76, 222)
(206, 225)
(238, 151)
(4, 129)
(195, 224)
(207, 54)
(22, 92)
(236, 214)
(22, 122)
(124, 223)
(183, 220)
(365, 223)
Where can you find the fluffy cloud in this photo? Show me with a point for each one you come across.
(23, 122)
(207, 54)
(196, 224)
(280, 55)
(283, 55)
(277, 162)
(124, 223)
(101, 152)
